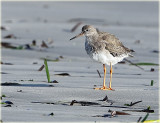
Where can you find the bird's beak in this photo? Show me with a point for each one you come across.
(81, 34)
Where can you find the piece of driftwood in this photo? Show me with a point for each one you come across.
(44, 44)
(41, 68)
(99, 73)
(10, 36)
(76, 26)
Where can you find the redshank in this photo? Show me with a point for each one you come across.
(105, 48)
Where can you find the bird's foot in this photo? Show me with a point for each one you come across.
(104, 88)
(111, 89)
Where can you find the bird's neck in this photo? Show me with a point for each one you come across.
(91, 38)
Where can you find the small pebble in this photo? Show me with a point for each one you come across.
(51, 114)
(19, 91)
(152, 69)
(113, 113)
(137, 41)
(35, 62)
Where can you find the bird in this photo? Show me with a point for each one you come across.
(104, 48)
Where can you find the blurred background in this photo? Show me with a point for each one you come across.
(131, 22)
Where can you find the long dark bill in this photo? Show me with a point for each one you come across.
(81, 34)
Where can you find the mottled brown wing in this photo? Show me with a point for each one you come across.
(109, 38)
(113, 44)
(116, 50)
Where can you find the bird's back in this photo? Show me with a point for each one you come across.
(113, 44)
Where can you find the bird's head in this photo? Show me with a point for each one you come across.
(87, 30)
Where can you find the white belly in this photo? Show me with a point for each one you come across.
(107, 58)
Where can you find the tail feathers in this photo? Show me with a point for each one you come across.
(131, 52)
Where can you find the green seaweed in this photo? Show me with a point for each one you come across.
(2, 103)
(145, 118)
(126, 104)
(18, 48)
(47, 70)
(53, 60)
(152, 82)
(145, 63)
(3, 95)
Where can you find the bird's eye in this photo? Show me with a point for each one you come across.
(86, 29)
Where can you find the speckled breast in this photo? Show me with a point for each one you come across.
(89, 48)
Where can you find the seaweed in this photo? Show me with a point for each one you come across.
(83, 103)
(152, 82)
(131, 104)
(53, 60)
(10, 84)
(63, 74)
(146, 64)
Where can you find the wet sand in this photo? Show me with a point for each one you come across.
(36, 100)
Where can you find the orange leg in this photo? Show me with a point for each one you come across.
(104, 80)
(110, 77)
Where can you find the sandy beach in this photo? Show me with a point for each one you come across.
(28, 97)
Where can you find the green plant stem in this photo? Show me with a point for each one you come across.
(47, 71)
